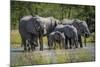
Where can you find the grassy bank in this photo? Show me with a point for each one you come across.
(15, 38)
(47, 57)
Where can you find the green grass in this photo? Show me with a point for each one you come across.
(15, 37)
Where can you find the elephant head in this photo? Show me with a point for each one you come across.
(47, 23)
(82, 27)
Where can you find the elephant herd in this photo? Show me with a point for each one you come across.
(33, 28)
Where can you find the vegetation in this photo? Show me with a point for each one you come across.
(59, 11)
(45, 57)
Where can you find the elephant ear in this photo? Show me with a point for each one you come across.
(30, 26)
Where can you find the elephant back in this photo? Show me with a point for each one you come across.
(26, 18)
(70, 31)
(67, 22)
(59, 27)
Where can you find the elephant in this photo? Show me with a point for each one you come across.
(70, 33)
(49, 23)
(30, 29)
(81, 26)
(56, 37)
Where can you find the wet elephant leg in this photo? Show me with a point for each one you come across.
(80, 40)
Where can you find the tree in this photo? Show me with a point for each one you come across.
(59, 11)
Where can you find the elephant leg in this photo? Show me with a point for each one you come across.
(24, 44)
(66, 43)
(85, 40)
(63, 43)
(25, 49)
(41, 42)
(70, 43)
(32, 46)
(36, 42)
(60, 45)
(76, 43)
(80, 41)
(49, 45)
(27, 45)
(49, 42)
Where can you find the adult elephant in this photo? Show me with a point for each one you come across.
(81, 27)
(30, 29)
(49, 23)
(70, 33)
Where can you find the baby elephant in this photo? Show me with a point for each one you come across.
(56, 37)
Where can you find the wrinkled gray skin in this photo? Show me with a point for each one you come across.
(56, 37)
(49, 23)
(70, 33)
(81, 27)
(30, 30)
